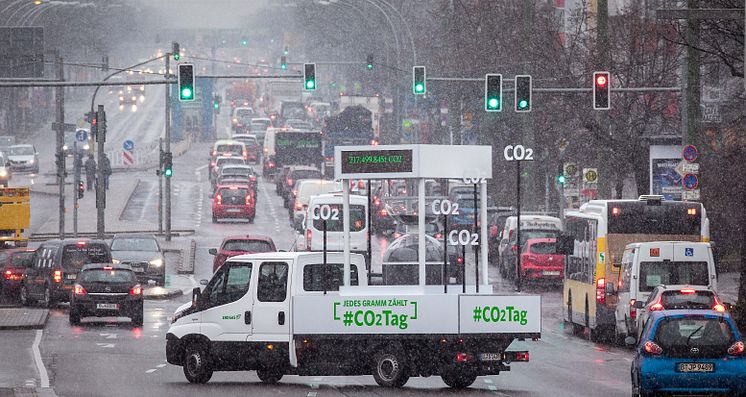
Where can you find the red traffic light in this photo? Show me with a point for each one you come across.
(601, 80)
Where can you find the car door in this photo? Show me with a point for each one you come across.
(271, 315)
(226, 305)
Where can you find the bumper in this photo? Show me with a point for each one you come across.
(549, 273)
(234, 212)
(174, 350)
(11, 285)
(24, 167)
(660, 375)
(61, 292)
(144, 271)
(87, 307)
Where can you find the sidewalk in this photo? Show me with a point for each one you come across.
(23, 318)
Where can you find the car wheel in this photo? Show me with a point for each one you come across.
(47, 299)
(25, 297)
(251, 220)
(137, 319)
(269, 376)
(458, 379)
(214, 219)
(196, 365)
(390, 367)
(74, 316)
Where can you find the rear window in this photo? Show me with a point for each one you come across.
(678, 335)
(235, 171)
(230, 160)
(229, 149)
(653, 274)
(19, 257)
(75, 256)
(244, 112)
(318, 277)
(234, 196)
(357, 216)
(543, 248)
(248, 140)
(696, 300)
(248, 246)
(107, 276)
(305, 174)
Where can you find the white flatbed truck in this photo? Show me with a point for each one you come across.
(313, 314)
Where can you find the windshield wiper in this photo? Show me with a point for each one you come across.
(692, 334)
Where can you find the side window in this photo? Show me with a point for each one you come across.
(229, 284)
(273, 281)
(215, 287)
(3, 258)
(38, 257)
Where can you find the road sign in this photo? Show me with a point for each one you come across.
(690, 195)
(690, 153)
(81, 135)
(690, 181)
(128, 158)
(562, 144)
(68, 127)
(571, 170)
(690, 168)
(590, 175)
(128, 145)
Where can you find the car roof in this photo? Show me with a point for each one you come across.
(68, 241)
(540, 240)
(303, 168)
(114, 266)
(253, 119)
(133, 235)
(227, 142)
(15, 250)
(241, 166)
(679, 313)
(252, 237)
(243, 136)
(675, 287)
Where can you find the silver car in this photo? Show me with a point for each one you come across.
(23, 158)
(143, 253)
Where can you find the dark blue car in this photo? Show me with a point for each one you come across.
(685, 352)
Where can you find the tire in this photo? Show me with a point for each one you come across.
(251, 219)
(137, 319)
(25, 297)
(390, 367)
(214, 219)
(74, 317)
(269, 376)
(196, 364)
(458, 379)
(47, 302)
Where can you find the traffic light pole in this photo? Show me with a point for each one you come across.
(160, 186)
(60, 135)
(168, 150)
(100, 177)
(76, 182)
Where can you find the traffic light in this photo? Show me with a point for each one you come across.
(369, 62)
(601, 92)
(419, 85)
(168, 164)
(523, 93)
(493, 92)
(285, 51)
(561, 179)
(244, 41)
(104, 63)
(176, 51)
(309, 76)
(216, 99)
(186, 82)
(81, 189)
(283, 62)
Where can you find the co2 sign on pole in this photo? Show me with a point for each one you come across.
(518, 153)
(325, 213)
(444, 207)
(463, 237)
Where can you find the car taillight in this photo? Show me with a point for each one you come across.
(8, 274)
(136, 290)
(79, 290)
(460, 260)
(601, 291)
(245, 155)
(657, 305)
(384, 213)
(308, 239)
(294, 193)
(719, 308)
(632, 310)
(462, 357)
(493, 231)
(514, 248)
(271, 165)
(214, 152)
(248, 199)
(736, 348)
(298, 205)
(57, 276)
(290, 182)
(252, 179)
(438, 236)
(218, 199)
(376, 202)
(653, 348)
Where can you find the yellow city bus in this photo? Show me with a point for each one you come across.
(600, 230)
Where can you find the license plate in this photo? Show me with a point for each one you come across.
(234, 210)
(551, 273)
(71, 276)
(696, 367)
(107, 306)
(138, 269)
(490, 356)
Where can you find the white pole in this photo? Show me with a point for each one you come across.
(346, 229)
(483, 237)
(422, 243)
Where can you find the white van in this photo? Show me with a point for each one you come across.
(532, 226)
(334, 236)
(648, 265)
(308, 188)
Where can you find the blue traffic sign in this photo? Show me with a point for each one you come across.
(688, 251)
(81, 135)
(128, 145)
(690, 181)
(690, 153)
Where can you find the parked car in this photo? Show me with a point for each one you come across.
(237, 245)
(13, 263)
(23, 158)
(689, 352)
(106, 290)
(143, 253)
(5, 173)
(55, 267)
(670, 297)
(233, 201)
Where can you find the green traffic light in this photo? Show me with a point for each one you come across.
(215, 105)
(186, 92)
(176, 56)
(561, 179)
(523, 104)
(283, 66)
(310, 84)
(493, 103)
(168, 172)
(370, 66)
(244, 42)
(419, 87)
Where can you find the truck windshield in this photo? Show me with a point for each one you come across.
(653, 274)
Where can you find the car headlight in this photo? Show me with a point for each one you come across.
(116, 261)
(156, 262)
(32, 161)
(3, 172)
(64, 147)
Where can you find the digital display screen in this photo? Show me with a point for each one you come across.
(376, 161)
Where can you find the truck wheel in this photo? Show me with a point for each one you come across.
(458, 379)
(268, 376)
(390, 367)
(196, 366)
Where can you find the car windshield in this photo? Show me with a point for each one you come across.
(134, 244)
(244, 113)
(653, 274)
(260, 124)
(233, 195)
(531, 234)
(107, 276)
(678, 335)
(21, 151)
(229, 160)
(247, 140)
(247, 246)
(688, 299)
(543, 248)
(77, 255)
(235, 171)
(235, 149)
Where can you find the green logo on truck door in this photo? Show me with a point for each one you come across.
(375, 312)
(232, 317)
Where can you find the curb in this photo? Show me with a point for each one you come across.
(168, 295)
(41, 325)
(129, 198)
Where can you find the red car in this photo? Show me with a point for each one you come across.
(13, 263)
(237, 245)
(540, 262)
(233, 201)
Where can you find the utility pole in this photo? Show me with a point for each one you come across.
(100, 177)
(60, 138)
(168, 149)
(76, 182)
(160, 185)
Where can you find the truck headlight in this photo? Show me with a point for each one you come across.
(3, 172)
(116, 261)
(31, 161)
(156, 262)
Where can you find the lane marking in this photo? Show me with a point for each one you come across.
(312, 394)
(44, 381)
(161, 365)
(200, 168)
(150, 371)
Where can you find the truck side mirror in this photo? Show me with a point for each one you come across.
(212, 251)
(565, 244)
(203, 282)
(195, 296)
